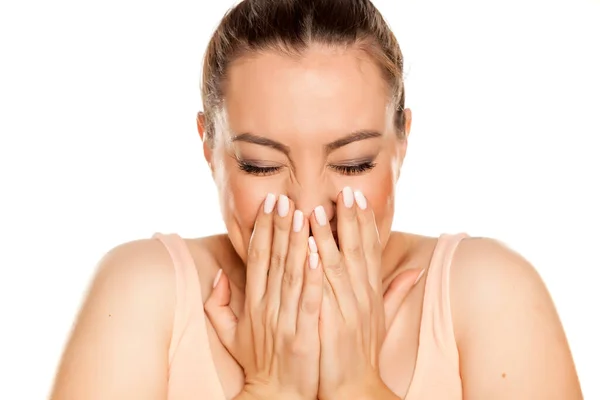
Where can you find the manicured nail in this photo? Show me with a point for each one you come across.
(348, 197)
(283, 206)
(360, 200)
(217, 278)
(269, 203)
(320, 216)
(313, 260)
(298, 221)
(419, 277)
(312, 245)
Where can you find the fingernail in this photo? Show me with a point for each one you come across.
(348, 197)
(269, 203)
(283, 206)
(419, 277)
(312, 245)
(313, 260)
(320, 216)
(360, 200)
(298, 221)
(217, 278)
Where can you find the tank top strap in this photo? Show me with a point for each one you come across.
(438, 353)
(437, 315)
(188, 301)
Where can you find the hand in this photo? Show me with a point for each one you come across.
(353, 317)
(276, 339)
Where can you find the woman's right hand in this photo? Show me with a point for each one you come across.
(276, 339)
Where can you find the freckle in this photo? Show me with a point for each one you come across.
(109, 315)
(503, 375)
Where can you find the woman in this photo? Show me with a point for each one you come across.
(310, 295)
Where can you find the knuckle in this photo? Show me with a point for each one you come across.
(291, 278)
(353, 251)
(373, 246)
(310, 305)
(335, 268)
(277, 259)
(257, 253)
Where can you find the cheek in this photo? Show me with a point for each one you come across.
(242, 197)
(379, 191)
(381, 197)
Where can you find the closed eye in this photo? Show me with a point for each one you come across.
(257, 170)
(355, 169)
(350, 169)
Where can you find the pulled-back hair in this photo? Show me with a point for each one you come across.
(290, 26)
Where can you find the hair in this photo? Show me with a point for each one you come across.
(290, 27)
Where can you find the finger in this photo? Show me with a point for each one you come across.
(282, 222)
(329, 315)
(307, 326)
(370, 242)
(219, 312)
(293, 275)
(259, 251)
(397, 292)
(333, 265)
(350, 243)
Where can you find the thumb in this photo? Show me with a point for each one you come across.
(397, 292)
(219, 313)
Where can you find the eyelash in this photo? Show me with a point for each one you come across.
(343, 169)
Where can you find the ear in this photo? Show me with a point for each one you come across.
(402, 144)
(208, 153)
(407, 121)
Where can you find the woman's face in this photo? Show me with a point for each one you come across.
(305, 127)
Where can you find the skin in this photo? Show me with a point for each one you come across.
(315, 118)
(306, 103)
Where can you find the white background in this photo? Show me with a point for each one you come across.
(98, 146)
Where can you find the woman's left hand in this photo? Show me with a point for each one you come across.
(353, 315)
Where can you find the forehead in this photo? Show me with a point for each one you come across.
(325, 90)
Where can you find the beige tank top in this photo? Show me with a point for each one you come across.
(192, 373)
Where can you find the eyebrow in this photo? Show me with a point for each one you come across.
(356, 136)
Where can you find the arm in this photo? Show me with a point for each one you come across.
(118, 349)
(509, 336)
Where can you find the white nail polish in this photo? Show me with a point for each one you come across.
(298, 221)
(320, 216)
(419, 277)
(217, 278)
(312, 245)
(283, 206)
(269, 203)
(361, 201)
(348, 197)
(313, 260)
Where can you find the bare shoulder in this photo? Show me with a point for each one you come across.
(489, 271)
(145, 259)
(509, 335)
(119, 344)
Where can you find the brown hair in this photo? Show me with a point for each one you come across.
(290, 26)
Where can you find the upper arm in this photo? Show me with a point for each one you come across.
(118, 349)
(510, 340)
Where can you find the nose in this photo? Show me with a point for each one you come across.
(307, 199)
